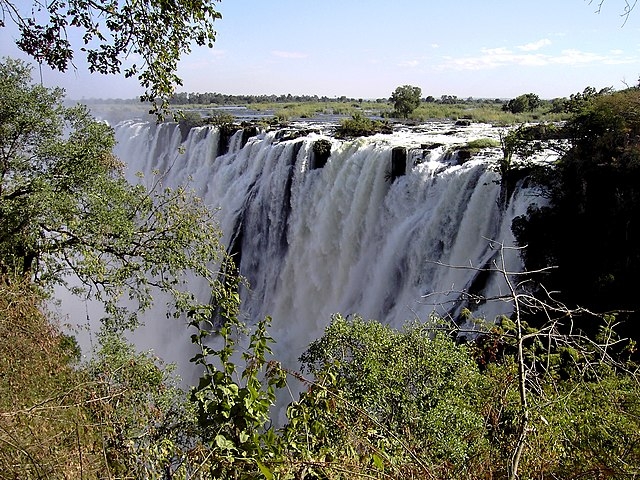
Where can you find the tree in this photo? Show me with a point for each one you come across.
(577, 102)
(448, 99)
(405, 100)
(426, 396)
(156, 31)
(523, 103)
(66, 208)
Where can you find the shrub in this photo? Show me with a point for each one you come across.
(469, 149)
(321, 152)
(524, 103)
(428, 395)
(188, 120)
(218, 119)
(360, 126)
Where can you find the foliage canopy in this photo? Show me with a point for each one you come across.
(523, 103)
(67, 209)
(157, 32)
(406, 99)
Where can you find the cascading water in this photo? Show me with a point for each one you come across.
(346, 237)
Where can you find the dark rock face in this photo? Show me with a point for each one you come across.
(321, 153)
(463, 155)
(248, 131)
(398, 162)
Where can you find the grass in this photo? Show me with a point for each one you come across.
(483, 113)
(481, 143)
(477, 112)
(473, 147)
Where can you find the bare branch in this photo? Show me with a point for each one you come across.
(557, 331)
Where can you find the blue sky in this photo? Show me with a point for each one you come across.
(364, 49)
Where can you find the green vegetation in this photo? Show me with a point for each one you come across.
(405, 100)
(447, 410)
(469, 149)
(288, 108)
(421, 412)
(68, 212)
(578, 101)
(67, 208)
(590, 230)
(159, 33)
(520, 144)
(321, 152)
(360, 126)
(219, 119)
(524, 103)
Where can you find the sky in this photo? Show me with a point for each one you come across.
(366, 48)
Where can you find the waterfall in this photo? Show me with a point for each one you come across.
(345, 237)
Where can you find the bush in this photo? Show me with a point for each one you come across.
(469, 149)
(188, 120)
(360, 126)
(428, 395)
(524, 103)
(219, 119)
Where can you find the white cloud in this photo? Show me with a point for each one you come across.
(489, 58)
(284, 54)
(500, 51)
(577, 57)
(533, 46)
(409, 63)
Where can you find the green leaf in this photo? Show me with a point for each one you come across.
(224, 443)
(268, 474)
(378, 462)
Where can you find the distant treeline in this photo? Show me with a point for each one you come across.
(214, 98)
(222, 99)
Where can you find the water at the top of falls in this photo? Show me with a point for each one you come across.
(347, 237)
